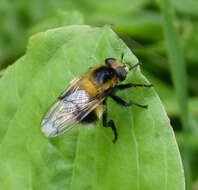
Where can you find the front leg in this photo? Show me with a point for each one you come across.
(125, 104)
(129, 85)
(109, 124)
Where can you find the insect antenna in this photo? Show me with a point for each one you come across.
(132, 67)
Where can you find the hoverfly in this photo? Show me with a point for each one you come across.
(84, 101)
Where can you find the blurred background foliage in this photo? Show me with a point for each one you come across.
(161, 33)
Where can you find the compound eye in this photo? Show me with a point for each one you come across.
(109, 61)
(121, 72)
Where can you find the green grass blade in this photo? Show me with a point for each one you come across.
(178, 72)
(176, 60)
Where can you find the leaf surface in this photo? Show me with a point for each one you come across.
(145, 156)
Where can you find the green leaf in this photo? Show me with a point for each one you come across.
(179, 75)
(12, 87)
(145, 156)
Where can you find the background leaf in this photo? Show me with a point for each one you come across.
(145, 156)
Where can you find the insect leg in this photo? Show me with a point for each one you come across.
(129, 85)
(109, 124)
(125, 104)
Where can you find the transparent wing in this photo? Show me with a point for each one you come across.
(68, 112)
(73, 87)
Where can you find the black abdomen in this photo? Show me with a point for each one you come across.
(104, 74)
(90, 118)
